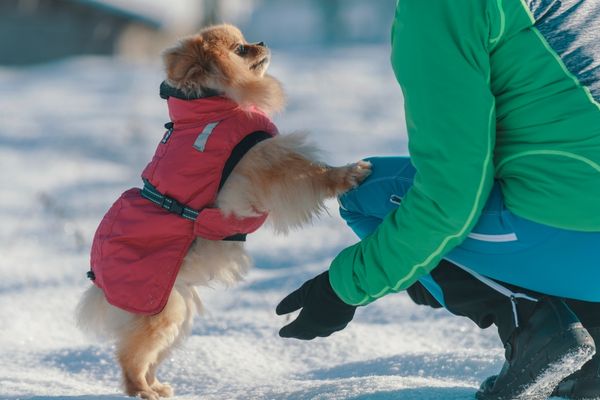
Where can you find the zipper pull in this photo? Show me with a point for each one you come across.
(169, 126)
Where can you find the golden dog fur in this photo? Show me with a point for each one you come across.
(281, 176)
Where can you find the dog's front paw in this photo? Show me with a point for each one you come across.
(357, 173)
(348, 177)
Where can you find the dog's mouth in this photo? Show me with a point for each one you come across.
(260, 64)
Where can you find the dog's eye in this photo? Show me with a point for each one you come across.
(241, 50)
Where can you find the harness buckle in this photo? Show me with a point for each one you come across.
(174, 206)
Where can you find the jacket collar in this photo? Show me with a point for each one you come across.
(192, 110)
(167, 91)
(186, 111)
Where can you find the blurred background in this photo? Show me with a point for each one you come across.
(33, 31)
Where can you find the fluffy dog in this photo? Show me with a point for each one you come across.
(279, 176)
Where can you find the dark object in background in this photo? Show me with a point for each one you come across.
(33, 31)
(37, 31)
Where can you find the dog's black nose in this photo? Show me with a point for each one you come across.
(261, 44)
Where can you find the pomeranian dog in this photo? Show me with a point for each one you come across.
(219, 172)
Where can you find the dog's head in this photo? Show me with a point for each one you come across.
(219, 58)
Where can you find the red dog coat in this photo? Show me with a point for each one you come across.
(139, 246)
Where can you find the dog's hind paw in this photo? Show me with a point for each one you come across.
(147, 394)
(163, 389)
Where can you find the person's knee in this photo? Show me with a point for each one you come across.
(421, 296)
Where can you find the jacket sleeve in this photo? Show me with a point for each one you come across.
(440, 55)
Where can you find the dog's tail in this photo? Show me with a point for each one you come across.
(95, 316)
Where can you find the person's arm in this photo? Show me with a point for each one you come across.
(440, 54)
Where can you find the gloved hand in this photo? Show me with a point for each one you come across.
(323, 312)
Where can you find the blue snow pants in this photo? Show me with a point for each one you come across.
(502, 246)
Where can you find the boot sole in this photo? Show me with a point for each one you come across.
(563, 360)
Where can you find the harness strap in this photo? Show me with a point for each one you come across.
(240, 151)
(168, 203)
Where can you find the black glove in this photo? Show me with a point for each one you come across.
(323, 312)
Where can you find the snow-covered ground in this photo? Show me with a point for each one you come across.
(75, 134)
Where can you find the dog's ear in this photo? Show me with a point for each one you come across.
(187, 66)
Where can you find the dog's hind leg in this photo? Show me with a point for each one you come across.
(163, 389)
(192, 306)
(145, 346)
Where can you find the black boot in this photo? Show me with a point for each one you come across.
(585, 383)
(550, 346)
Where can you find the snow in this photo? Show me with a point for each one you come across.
(76, 133)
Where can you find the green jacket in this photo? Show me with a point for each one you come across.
(494, 89)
